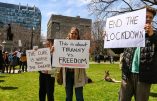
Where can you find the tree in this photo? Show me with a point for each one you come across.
(98, 36)
(103, 9)
(154, 2)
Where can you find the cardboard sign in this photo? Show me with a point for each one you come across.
(126, 30)
(71, 53)
(39, 59)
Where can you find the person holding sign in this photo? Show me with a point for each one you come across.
(74, 77)
(47, 79)
(139, 65)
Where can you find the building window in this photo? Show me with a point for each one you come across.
(56, 25)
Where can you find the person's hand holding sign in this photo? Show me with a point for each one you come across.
(52, 49)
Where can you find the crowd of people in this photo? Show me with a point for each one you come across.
(9, 61)
(138, 65)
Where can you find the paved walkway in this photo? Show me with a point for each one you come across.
(16, 71)
(102, 62)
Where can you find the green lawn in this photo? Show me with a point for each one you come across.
(24, 87)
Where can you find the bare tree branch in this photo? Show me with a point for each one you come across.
(154, 2)
(103, 9)
(128, 5)
(107, 8)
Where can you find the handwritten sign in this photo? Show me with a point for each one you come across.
(38, 60)
(71, 53)
(126, 30)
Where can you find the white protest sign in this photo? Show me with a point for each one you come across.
(126, 30)
(39, 59)
(71, 53)
(35, 47)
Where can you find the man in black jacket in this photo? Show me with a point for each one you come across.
(139, 65)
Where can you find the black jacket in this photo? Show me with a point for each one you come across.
(148, 61)
(1, 59)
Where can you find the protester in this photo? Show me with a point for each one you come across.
(47, 79)
(13, 62)
(18, 54)
(23, 60)
(138, 65)
(74, 78)
(111, 60)
(6, 61)
(1, 60)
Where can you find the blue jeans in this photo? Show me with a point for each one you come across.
(69, 88)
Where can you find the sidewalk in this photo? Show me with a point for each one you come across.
(16, 72)
(93, 62)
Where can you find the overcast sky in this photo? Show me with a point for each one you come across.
(62, 7)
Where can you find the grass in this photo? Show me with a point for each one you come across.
(24, 86)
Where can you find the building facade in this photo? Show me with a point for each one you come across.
(25, 23)
(59, 26)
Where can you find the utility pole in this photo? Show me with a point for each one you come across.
(32, 37)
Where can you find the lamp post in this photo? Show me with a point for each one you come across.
(32, 37)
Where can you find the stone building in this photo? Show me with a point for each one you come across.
(25, 23)
(59, 26)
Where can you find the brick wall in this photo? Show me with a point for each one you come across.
(59, 26)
